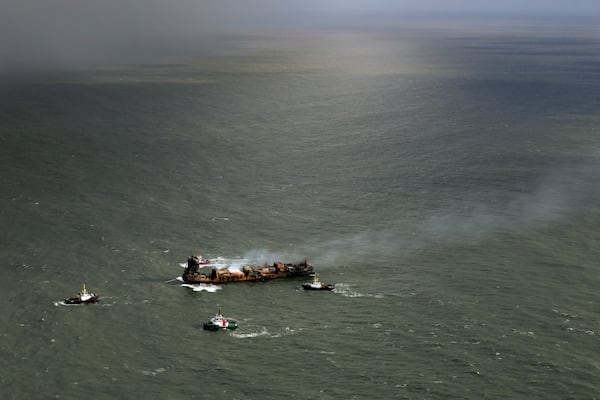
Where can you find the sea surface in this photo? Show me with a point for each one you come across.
(446, 181)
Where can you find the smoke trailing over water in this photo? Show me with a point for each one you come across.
(555, 200)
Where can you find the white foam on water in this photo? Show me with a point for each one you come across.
(202, 287)
(264, 332)
(345, 290)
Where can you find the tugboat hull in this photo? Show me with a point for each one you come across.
(308, 286)
(209, 326)
(74, 300)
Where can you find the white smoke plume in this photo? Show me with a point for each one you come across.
(554, 200)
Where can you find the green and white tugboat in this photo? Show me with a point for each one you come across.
(220, 323)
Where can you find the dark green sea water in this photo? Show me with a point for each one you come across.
(447, 182)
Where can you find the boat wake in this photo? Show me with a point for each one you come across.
(345, 290)
(264, 333)
(202, 287)
(62, 303)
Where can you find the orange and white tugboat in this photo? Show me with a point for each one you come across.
(83, 297)
(316, 284)
(220, 323)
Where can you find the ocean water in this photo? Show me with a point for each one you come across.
(446, 181)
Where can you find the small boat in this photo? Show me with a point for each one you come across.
(219, 323)
(316, 284)
(83, 297)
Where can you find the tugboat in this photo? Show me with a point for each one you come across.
(192, 273)
(316, 284)
(219, 323)
(83, 297)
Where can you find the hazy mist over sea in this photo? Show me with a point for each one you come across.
(38, 34)
(438, 162)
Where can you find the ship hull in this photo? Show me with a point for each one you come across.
(194, 274)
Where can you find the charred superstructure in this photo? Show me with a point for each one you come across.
(194, 274)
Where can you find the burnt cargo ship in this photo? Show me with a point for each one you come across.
(193, 274)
